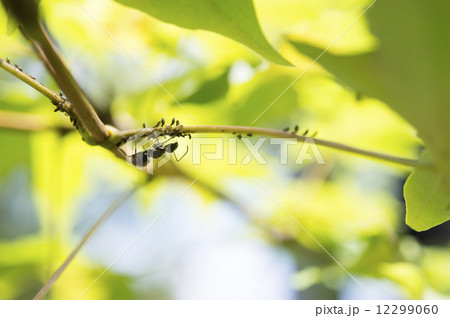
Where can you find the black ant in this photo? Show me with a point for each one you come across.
(142, 158)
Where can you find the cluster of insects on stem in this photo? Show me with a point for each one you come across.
(305, 133)
(158, 147)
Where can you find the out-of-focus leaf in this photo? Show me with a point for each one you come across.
(307, 277)
(261, 95)
(15, 150)
(436, 263)
(427, 198)
(409, 276)
(409, 72)
(210, 90)
(235, 19)
(21, 266)
(332, 214)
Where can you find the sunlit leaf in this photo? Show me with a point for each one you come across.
(235, 19)
(427, 198)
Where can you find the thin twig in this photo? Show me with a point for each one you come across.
(32, 82)
(49, 284)
(257, 131)
(63, 104)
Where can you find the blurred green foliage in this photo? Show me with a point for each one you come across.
(409, 71)
(54, 186)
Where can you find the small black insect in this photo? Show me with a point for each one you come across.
(239, 136)
(172, 122)
(305, 132)
(163, 121)
(157, 124)
(286, 129)
(177, 123)
(8, 60)
(295, 129)
(142, 158)
(250, 135)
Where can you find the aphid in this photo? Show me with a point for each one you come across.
(144, 125)
(18, 68)
(239, 136)
(157, 124)
(305, 132)
(163, 121)
(234, 133)
(172, 122)
(314, 134)
(58, 106)
(8, 60)
(286, 129)
(250, 135)
(33, 78)
(295, 129)
(178, 123)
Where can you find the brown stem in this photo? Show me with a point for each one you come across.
(81, 106)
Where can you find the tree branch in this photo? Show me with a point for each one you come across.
(56, 66)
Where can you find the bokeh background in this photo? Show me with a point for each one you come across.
(225, 237)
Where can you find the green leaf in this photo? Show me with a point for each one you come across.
(427, 198)
(409, 72)
(210, 90)
(235, 19)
